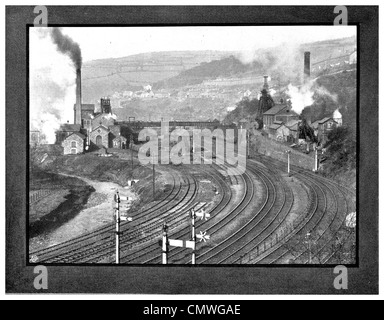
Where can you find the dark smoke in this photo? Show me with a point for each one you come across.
(67, 46)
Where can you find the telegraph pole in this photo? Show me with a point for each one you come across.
(289, 163)
(153, 182)
(316, 160)
(309, 247)
(132, 154)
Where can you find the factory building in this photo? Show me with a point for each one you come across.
(90, 130)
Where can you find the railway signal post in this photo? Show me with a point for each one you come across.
(118, 219)
(193, 217)
(166, 243)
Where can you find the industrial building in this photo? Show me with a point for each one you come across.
(91, 130)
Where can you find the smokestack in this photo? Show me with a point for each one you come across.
(78, 97)
(307, 65)
(266, 86)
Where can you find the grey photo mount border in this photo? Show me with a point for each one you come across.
(20, 276)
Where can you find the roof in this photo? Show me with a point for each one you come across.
(278, 122)
(87, 106)
(292, 125)
(120, 138)
(326, 119)
(76, 134)
(275, 126)
(101, 127)
(67, 127)
(275, 110)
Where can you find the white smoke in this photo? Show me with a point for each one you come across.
(303, 96)
(52, 85)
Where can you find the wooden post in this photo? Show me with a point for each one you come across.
(289, 164)
(316, 160)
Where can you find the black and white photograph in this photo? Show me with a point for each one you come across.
(134, 134)
(206, 146)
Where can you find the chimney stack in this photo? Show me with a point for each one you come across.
(78, 97)
(266, 86)
(307, 65)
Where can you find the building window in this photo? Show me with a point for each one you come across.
(73, 144)
(73, 151)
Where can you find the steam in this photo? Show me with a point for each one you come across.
(52, 85)
(284, 62)
(303, 96)
(67, 46)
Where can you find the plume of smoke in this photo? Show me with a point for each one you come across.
(284, 61)
(52, 85)
(67, 46)
(304, 96)
(301, 97)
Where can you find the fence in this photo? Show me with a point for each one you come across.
(37, 195)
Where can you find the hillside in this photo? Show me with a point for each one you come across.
(227, 67)
(107, 76)
(204, 84)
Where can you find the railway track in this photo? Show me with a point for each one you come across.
(74, 249)
(150, 255)
(325, 220)
(231, 236)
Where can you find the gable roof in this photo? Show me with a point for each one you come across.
(326, 119)
(275, 110)
(275, 126)
(292, 123)
(69, 127)
(101, 127)
(76, 134)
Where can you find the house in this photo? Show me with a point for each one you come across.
(34, 137)
(293, 127)
(338, 117)
(278, 131)
(74, 143)
(117, 140)
(322, 127)
(65, 131)
(280, 112)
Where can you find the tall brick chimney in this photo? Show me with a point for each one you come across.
(77, 107)
(307, 65)
(266, 85)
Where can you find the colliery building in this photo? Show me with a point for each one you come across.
(90, 130)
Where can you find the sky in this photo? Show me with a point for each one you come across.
(112, 42)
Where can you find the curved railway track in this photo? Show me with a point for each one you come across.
(327, 217)
(232, 237)
(78, 248)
